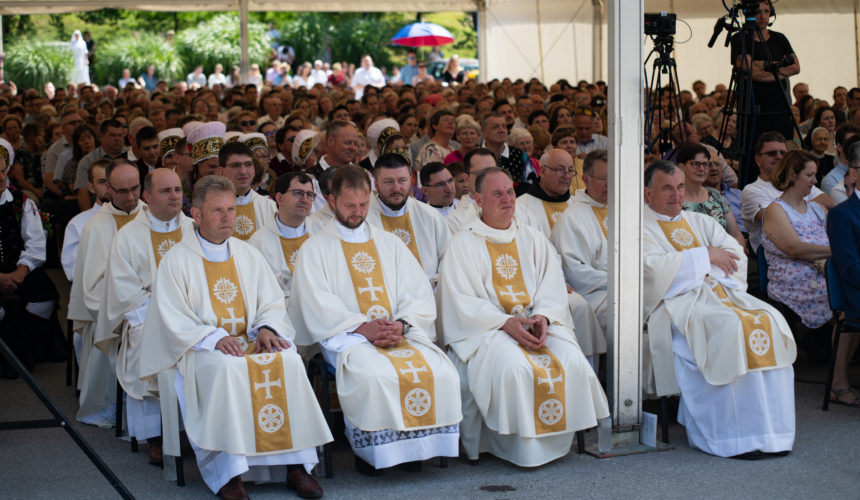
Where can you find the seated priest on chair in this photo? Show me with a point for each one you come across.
(525, 384)
(729, 354)
(217, 315)
(361, 294)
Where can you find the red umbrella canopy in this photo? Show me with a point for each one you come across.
(422, 35)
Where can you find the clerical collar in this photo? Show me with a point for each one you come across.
(390, 212)
(446, 207)
(361, 234)
(161, 226)
(245, 198)
(214, 252)
(666, 218)
(121, 210)
(491, 234)
(290, 232)
(538, 192)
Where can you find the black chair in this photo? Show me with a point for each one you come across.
(837, 305)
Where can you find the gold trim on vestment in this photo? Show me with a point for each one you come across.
(121, 219)
(401, 226)
(227, 301)
(758, 332)
(245, 222)
(679, 234)
(162, 242)
(417, 385)
(269, 402)
(549, 390)
(290, 248)
(553, 210)
(602, 216)
(508, 280)
(368, 282)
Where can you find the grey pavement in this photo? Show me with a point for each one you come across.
(46, 463)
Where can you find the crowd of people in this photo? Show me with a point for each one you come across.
(442, 247)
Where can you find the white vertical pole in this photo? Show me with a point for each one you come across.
(244, 60)
(597, 40)
(482, 41)
(625, 215)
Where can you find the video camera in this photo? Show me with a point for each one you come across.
(749, 8)
(659, 24)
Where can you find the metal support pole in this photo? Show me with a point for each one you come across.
(625, 218)
(540, 40)
(597, 40)
(244, 61)
(482, 41)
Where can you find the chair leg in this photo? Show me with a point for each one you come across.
(70, 354)
(326, 407)
(118, 410)
(829, 385)
(580, 442)
(443, 462)
(180, 472)
(134, 445)
(664, 418)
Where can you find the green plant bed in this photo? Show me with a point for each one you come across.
(30, 64)
(217, 41)
(136, 52)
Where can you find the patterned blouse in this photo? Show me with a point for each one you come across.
(716, 206)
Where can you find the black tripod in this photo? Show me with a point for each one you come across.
(740, 100)
(664, 64)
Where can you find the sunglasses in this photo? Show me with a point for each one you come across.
(583, 111)
(246, 123)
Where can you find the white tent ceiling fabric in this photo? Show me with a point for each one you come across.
(822, 32)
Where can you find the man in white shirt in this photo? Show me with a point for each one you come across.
(366, 75)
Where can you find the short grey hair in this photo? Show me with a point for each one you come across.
(591, 158)
(517, 134)
(665, 166)
(479, 180)
(210, 184)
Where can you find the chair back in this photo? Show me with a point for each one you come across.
(762, 270)
(834, 287)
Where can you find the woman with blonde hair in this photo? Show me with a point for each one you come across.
(467, 133)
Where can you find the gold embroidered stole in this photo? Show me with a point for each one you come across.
(758, 333)
(402, 228)
(162, 242)
(510, 288)
(245, 221)
(553, 211)
(508, 280)
(290, 247)
(365, 271)
(602, 214)
(417, 386)
(225, 295)
(269, 402)
(122, 219)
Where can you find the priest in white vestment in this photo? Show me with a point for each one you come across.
(360, 293)
(134, 257)
(541, 207)
(253, 211)
(475, 161)
(421, 228)
(525, 384)
(97, 380)
(579, 236)
(728, 353)
(218, 316)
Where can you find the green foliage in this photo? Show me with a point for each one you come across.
(217, 41)
(31, 63)
(136, 53)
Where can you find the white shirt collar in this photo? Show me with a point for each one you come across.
(246, 198)
(290, 232)
(160, 226)
(505, 152)
(389, 212)
(213, 252)
(361, 234)
(666, 218)
(324, 164)
(6, 196)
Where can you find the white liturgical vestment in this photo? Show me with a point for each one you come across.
(280, 245)
(466, 211)
(523, 406)
(253, 212)
(719, 346)
(400, 404)
(97, 381)
(239, 412)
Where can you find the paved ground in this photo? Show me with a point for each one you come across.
(46, 463)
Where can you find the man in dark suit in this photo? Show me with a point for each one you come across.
(843, 230)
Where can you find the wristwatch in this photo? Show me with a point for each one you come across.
(406, 326)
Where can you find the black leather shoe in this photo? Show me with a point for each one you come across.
(366, 469)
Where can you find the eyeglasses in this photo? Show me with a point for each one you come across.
(74, 123)
(299, 194)
(596, 177)
(583, 111)
(561, 170)
(240, 164)
(270, 133)
(441, 184)
(246, 123)
(699, 164)
(125, 192)
(774, 153)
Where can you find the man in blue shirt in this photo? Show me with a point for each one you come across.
(408, 72)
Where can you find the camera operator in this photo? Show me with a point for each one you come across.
(769, 94)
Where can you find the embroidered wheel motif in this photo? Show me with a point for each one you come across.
(759, 342)
(605, 223)
(550, 411)
(541, 360)
(417, 402)
(506, 266)
(682, 237)
(518, 311)
(403, 234)
(556, 216)
(402, 353)
(244, 225)
(164, 246)
(377, 312)
(263, 358)
(224, 290)
(363, 263)
(270, 418)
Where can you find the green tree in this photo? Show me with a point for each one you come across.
(217, 41)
